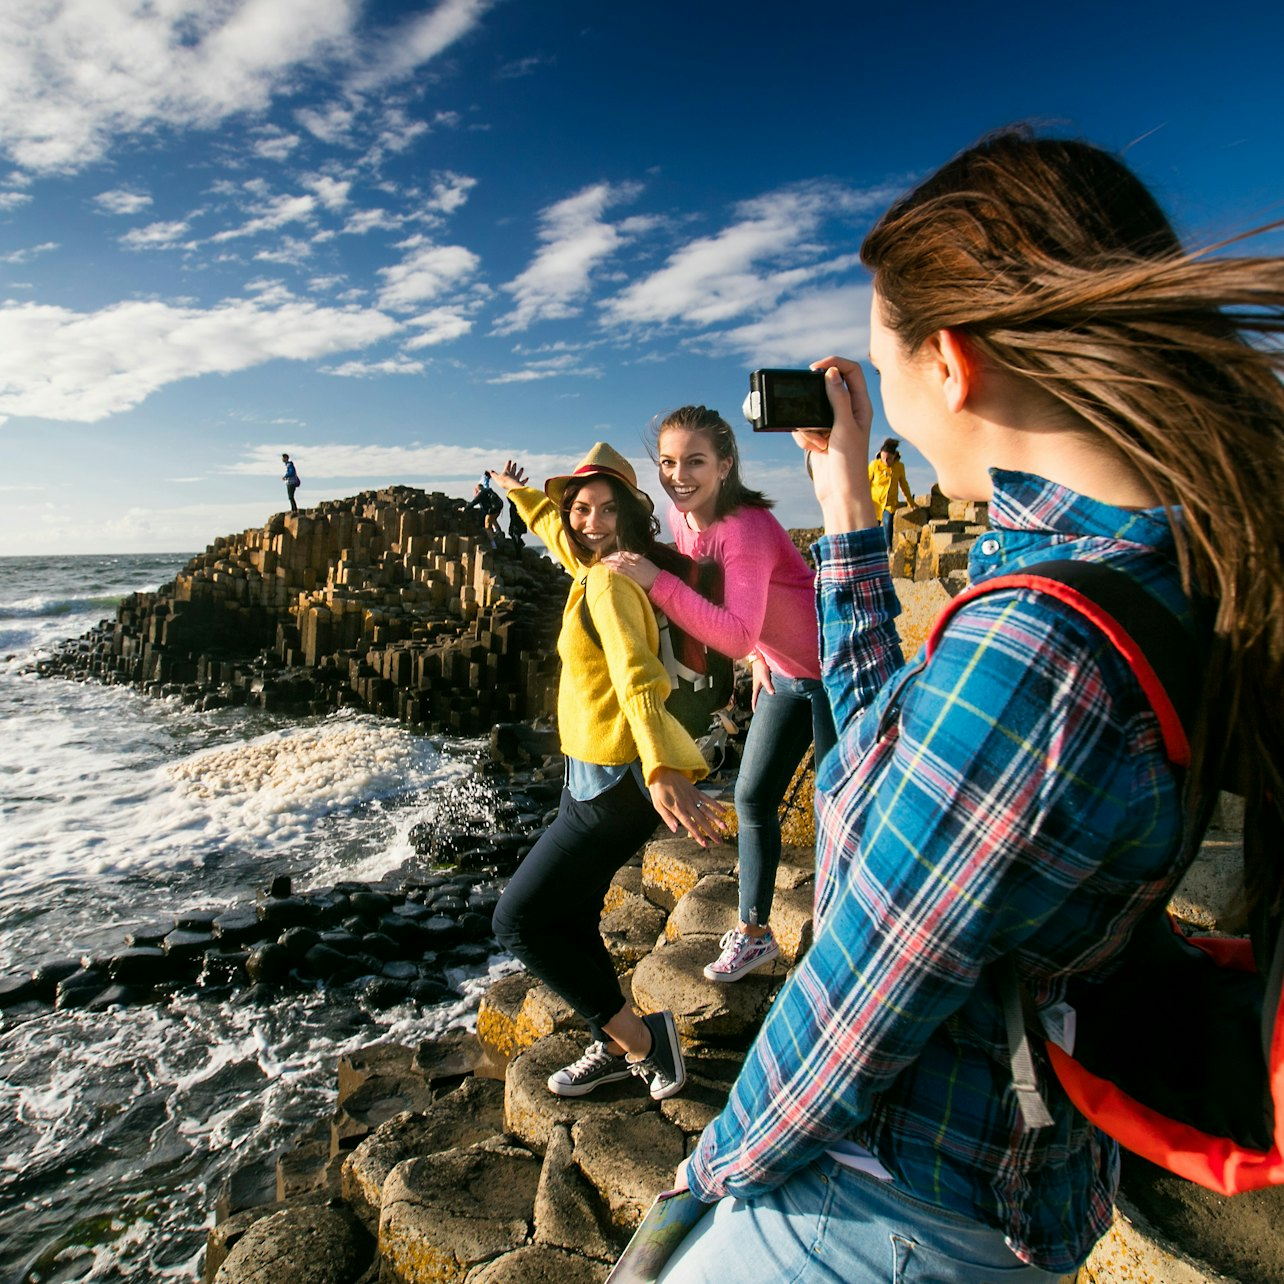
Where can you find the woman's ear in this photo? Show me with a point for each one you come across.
(957, 368)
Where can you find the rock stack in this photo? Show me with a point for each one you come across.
(932, 541)
(392, 601)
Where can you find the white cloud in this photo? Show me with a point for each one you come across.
(450, 191)
(425, 273)
(575, 240)
(155, 236)
(76, 76)
(273, 213)
(549, 368)
(771, 249)
(331, 192)
(292, 250)
(83, 367)
(373, 369)
(438, 325)
(121, 200)
(364, 221)
(27, 254)
(804, 328)
(12, 200)
(417, 41)
(275, 144)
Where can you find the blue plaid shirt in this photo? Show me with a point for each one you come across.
(1018, 803)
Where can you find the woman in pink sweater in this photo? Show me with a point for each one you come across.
(768, 613)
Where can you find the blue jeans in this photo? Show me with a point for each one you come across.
(830, 1225)
(549, 914)
(783, 726)
(889, 516)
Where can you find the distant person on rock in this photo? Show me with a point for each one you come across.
(291, 480)
(629, 763)
(516, 527)
(768, 613)
(489, 505)
(1006, 804)
(886, 474)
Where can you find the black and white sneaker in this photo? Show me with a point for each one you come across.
(596, 1066)
(663, 1065)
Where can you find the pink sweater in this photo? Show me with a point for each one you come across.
(768, 591)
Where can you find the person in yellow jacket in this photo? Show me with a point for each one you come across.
(627, 759)
(886, 473)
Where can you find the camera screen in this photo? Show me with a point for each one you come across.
(799, 398)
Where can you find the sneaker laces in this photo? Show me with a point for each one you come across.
(595, 1055)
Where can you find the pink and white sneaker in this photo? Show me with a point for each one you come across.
(741, 953)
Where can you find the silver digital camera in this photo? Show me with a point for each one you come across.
(786, 400)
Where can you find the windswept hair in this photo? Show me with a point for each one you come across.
(733, 493)
(636, 527)
(1055, 264)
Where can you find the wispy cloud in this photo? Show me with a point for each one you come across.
(28, 253)
(772, 248)
(437, 325)
(425, 272)
(155, 236)
(121, 200)
(375, 369)
(803, 328)
(416, 41)
(84, 366)
(568, 364)
(79, 76)
(272, 214)
(575, 239)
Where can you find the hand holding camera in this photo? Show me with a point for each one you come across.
(835, 436)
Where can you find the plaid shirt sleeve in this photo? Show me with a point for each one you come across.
(953, 835)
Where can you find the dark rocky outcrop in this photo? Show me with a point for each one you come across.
(392, 601)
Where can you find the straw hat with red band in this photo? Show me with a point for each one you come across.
(601, 461)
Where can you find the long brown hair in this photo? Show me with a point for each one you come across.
(1057, 265)
(733, 493)
(636, 527)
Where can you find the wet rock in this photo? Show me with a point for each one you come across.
(80, 988)
(183, 946)
(268, 965)
(278, 913)
(17, 989)
(48, 976)
(300, 1245)
(145, 965)
(297, 941)
(236, 927)
(469, 1114)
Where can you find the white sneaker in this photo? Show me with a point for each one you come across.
(596, 1066)
(741, 953)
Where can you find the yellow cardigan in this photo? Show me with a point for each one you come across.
(610, 700)
(883, 482)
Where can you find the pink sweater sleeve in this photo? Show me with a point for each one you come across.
(733, 629)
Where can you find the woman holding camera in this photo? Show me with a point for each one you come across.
(1042, 338)
(627, 759)
(768, 612)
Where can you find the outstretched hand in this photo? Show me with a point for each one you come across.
(838, 460)
(511, 476)
(682, 806)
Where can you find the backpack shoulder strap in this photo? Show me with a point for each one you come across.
(1152, 640)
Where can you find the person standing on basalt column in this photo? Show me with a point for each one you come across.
(291, 480)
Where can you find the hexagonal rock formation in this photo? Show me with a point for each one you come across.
(531, 1112)
(446, 1213)
(473, 1112)
(299, 1245)
(706, 1011)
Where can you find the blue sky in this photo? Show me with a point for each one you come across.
(404, 239)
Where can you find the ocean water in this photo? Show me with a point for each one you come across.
(118, 810)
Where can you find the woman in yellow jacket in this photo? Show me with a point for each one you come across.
(627, 759)
(886, 473)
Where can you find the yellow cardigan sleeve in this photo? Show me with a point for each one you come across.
(625, 623)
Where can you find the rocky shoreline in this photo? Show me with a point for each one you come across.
(451, 1161)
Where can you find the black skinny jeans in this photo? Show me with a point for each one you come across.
(548, 916)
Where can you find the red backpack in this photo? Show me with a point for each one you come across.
(1178, 1053)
